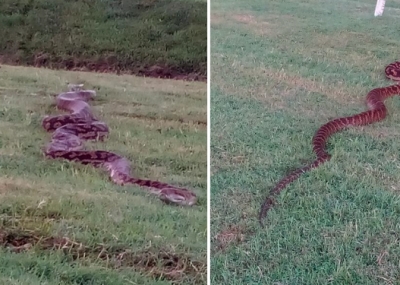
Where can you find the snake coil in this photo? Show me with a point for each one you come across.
(69, 132)
(376, 112)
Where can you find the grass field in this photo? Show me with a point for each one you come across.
(115, 235)
(135, 36)
(281, 69)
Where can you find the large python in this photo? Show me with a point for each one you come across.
(376, 112)
(69, 132)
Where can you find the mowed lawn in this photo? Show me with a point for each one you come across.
(115, 235)
(280, 70)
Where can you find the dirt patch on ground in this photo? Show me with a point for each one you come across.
(228, 237)
(217, 19)
(245, 18)
(222, 159)
(158, 263)
(260, 27)
(269, 25)
(234, 215)
(108, 65)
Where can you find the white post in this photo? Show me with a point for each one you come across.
(380, 5)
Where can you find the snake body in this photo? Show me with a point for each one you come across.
(376, 112)
(70, 130)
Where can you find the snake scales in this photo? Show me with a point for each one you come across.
(376, 112)
(69, 132)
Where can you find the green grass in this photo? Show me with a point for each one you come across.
(159, 125)
(281, 69)
(131, 36)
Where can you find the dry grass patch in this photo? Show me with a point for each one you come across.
(227, 159)
(267, 25)
(278, 88)
(341, 45)
(343, 48)
(257, 25)
(217, 19)
(338, 92)
(232, 235)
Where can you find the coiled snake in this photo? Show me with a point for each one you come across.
(69, 132)
(376, 112)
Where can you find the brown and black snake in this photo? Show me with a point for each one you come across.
(376, 112)
(69, 132)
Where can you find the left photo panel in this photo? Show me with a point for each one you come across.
(103, 142)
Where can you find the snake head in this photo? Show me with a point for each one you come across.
(181, 197)
(74, 87)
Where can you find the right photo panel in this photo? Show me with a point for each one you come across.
(305, 139)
